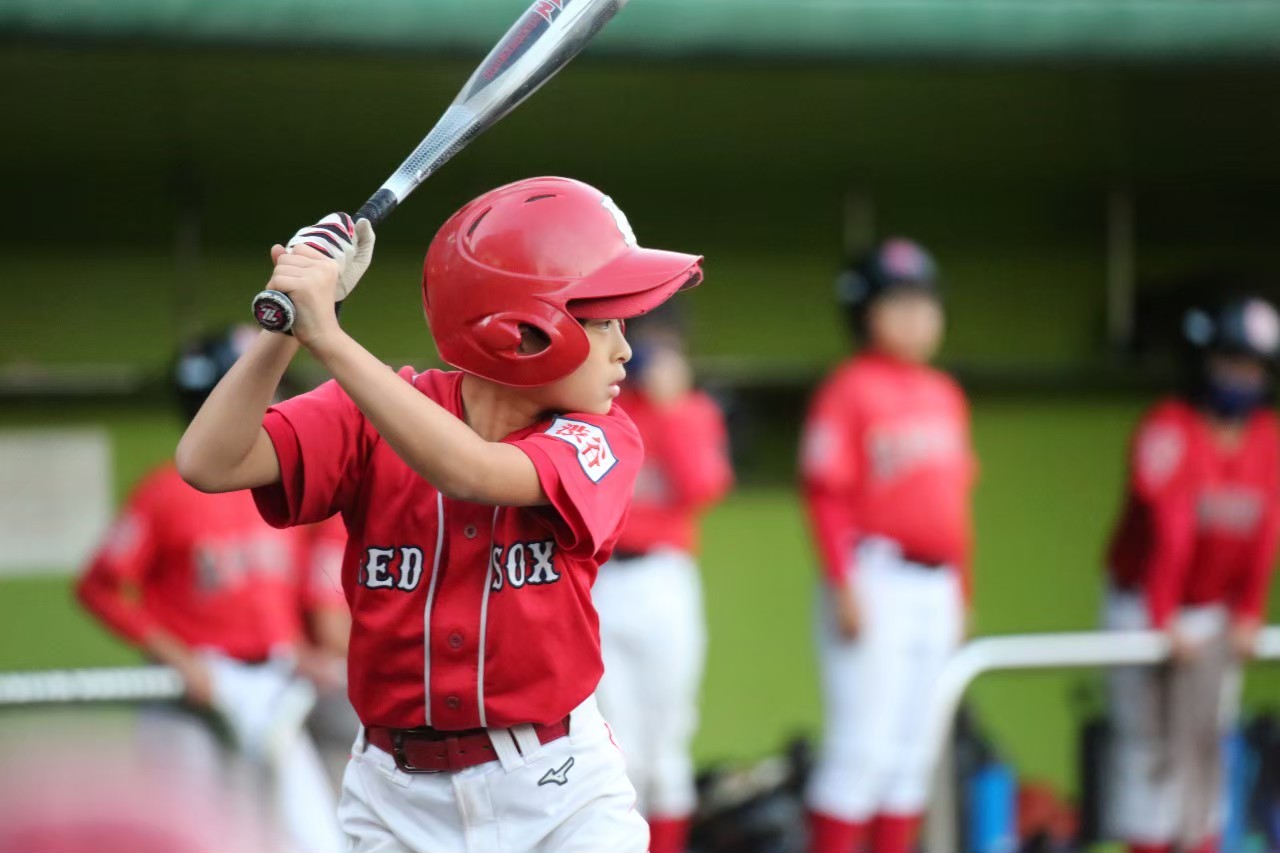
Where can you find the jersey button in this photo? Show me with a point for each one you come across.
(453, 703)
(470, 531)
(455, 641)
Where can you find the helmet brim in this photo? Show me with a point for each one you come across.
(634, 283)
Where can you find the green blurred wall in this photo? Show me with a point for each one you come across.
(114, 159)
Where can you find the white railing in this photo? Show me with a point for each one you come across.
(1028, 651)
(100, 684)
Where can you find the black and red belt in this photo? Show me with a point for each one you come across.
(428, 750)
(928, 563)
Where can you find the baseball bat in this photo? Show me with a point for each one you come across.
(540, 43)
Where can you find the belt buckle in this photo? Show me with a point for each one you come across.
(402, 760)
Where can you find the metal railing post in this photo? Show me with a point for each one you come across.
(1028, 651)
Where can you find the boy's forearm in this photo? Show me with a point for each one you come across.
(224, 432)
(438, 446)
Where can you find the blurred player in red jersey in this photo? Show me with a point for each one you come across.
(887, 470)
(333, 722)
(199, 582)
(649, 594)
(1192, 555)
(479, 504)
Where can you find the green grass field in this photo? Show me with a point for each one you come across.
(1051, 475)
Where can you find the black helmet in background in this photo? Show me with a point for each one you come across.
(1221, 341)
(202, 363)
(892, 266)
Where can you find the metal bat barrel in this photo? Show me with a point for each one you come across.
(540, 43)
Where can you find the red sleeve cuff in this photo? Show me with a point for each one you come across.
(568, 519)
(279, 504)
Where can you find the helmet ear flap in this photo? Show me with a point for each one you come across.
(852, 287)
(853, 293)
(498, 333)
(1198, 328)
(562, 342)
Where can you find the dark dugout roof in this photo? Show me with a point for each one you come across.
(839, 30)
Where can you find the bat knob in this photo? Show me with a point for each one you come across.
(273, 311)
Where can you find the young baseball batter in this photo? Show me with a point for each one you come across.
(1193, 555)
(887, 471)
(649, 594)
(479, 505)
(201, 583)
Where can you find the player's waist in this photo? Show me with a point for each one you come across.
(874, 547)
(428, 750)
(647, 532)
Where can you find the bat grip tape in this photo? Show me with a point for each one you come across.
(378, 207)
(274, 311)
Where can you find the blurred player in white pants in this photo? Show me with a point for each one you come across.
(1193, 555)
(887, 470)
(649, 595)
(201, 583)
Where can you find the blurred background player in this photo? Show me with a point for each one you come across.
(201, 583)
(327, 626)
(1192, 555)
(887, 471)
(649, 594)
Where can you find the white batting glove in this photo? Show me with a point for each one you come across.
(347, 242)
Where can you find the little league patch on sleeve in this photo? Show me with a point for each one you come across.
(589, 440)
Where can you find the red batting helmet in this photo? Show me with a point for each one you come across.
(544, 253)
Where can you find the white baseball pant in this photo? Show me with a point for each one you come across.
(1164, 765)
(568, 796)
(876, 688)
(653, 638)
(265, 707)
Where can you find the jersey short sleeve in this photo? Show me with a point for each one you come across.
(322, 441)
(1159, 455)
(124, 557)
(1159, 471)
(126, 548)
(587, 465)
(828, 449)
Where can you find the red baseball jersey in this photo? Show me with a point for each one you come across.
(1200, 520)
(686, 469)
(886, 452)
(206, 568)
(463, 614)
(322, 582)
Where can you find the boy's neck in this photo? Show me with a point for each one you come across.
(885, 354)
(495, 411)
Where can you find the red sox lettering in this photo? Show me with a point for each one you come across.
(520, 564)
(224, 563)
(380, 568)
(523, 563)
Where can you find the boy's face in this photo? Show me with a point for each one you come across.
(906, 325)
(593, 386)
